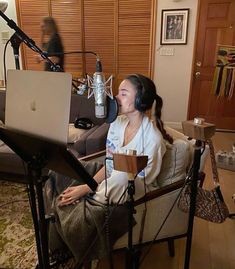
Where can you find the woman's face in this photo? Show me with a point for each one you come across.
(44, 28)
(126, 97)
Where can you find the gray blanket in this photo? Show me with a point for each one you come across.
(87, 229)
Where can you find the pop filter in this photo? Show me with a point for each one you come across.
(112, 110)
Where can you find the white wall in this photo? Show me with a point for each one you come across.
(172, 74)
(10, 61)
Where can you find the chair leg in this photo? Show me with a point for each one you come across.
(171, 247)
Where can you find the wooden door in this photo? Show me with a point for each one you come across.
(216, 25)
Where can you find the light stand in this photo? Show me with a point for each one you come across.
(131, 164)
(200, 132)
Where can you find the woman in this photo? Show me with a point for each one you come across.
(51, 44)
(132, 130)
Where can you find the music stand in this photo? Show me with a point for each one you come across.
(40, 153)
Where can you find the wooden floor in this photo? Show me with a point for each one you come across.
(213, 245)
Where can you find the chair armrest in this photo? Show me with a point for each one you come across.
(166, 189)
(159, 192)
(93, 156)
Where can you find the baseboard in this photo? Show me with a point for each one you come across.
(174, 124)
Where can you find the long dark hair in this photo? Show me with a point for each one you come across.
(51, 25)
(145, 96)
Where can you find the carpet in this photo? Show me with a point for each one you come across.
(17, 239)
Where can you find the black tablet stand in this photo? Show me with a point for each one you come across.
(40, 153)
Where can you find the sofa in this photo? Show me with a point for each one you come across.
(81, 142)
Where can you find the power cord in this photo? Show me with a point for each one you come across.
(4, 62)
(79, 264)
(187, 180)
(188, 177)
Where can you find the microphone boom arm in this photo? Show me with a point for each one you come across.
(28, 41)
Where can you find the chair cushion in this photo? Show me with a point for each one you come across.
(175, 163)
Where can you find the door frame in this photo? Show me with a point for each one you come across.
(193, 59)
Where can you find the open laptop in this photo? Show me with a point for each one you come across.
(38, 103)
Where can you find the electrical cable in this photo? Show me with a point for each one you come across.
(145, 202)
(107, 210)
(188, 176)
(4, 62)
(78, 264)
(72, 52)
(187, 180)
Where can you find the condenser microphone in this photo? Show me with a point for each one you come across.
(100, 92)
(3, 5)
(105, 104)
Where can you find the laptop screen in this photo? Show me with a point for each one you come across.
(38, 103)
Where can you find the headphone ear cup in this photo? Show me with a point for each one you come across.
(138, 102)
(83, 123)
(139, 105)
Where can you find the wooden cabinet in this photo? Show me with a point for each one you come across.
(120, 31)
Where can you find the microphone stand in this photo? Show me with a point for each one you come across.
(76, 52)
(200, 132)
(131, 164)
(19, 36)
(15, 43)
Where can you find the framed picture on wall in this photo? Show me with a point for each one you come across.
(174, 26)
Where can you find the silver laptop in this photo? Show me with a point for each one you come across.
(38, 103)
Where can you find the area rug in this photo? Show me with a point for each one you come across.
(17, 240)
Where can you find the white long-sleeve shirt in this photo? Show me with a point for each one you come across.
(147, 141)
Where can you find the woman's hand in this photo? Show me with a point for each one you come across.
(72, 194)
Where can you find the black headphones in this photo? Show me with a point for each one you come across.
(142, 95)
(83, 123)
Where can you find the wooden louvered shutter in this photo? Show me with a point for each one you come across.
(68, 16)
(120, 31)
(29, 18)
(134, 37)
(99, 32)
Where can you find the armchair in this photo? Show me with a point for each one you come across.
(169, 182)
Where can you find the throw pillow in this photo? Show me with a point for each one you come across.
(175, 163)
